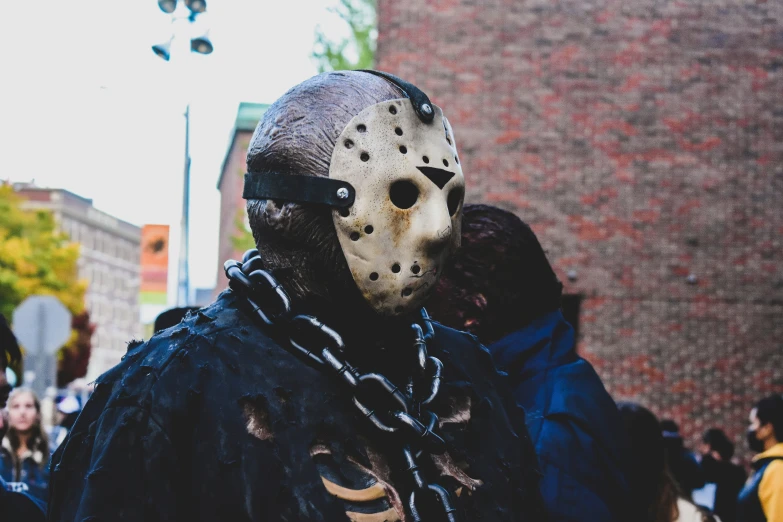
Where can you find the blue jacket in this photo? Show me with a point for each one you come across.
(574, 423)
(19, 507)
(34, 471)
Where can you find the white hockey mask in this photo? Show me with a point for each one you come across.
(405, 220)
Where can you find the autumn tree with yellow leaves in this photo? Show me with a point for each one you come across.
(36, 259)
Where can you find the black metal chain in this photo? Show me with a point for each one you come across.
(389, 408)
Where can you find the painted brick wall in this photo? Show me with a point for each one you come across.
(643, 141)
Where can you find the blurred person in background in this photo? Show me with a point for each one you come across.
(683, 464)
(500, 287)
(24, 455)
(761, 500)
(726, 478)
(653, 489)
(67, 412)
(14, 506)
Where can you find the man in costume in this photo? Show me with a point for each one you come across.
(316, 388)
(501, 287)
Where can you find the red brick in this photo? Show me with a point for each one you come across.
(642, 144)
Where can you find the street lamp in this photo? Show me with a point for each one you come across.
(200, 44)
(167, 6)
(163, 50)
(196, 6)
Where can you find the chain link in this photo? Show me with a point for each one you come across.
(385, 405)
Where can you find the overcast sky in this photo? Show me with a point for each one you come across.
(85, 104)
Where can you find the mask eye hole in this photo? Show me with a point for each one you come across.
(454, 199)
(403, 194)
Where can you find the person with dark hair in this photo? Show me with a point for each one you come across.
(500, 287)
(653, 489)
(15, 506)
(683, 463)
(727, 478)
(716, 443)
(316, 388)
(761, 500)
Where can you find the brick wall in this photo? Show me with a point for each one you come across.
(231, 202)
(643, 141)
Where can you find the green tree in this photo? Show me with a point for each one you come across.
(35, 258)
(243, 239)
(355, 52)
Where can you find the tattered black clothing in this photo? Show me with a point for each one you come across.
(214, 420)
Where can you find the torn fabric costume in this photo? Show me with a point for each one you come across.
(165, 435)
(233, 415)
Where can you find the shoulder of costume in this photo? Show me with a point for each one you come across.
(464, 350)
(203, 337)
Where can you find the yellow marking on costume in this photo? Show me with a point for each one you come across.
(374, 492)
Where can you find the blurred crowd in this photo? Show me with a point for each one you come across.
(673, 482)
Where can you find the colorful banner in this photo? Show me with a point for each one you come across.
(154, 264)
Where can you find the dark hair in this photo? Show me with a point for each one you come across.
(653, 491)
(681, 462)
(670, 426)
(9, 348)
(499, 280)
(718, 441)
(769, 410)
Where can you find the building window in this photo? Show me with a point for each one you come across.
(73, 231)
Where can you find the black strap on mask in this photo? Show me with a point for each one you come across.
(316, 190)
(299, 189)
(421, 103)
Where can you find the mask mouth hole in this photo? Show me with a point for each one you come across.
(403, 149)
(454, 199)
(348, 144)
(365, 156)
(456, 159)
(398, 131)
(396, 268)
(393, 109)
(399, 309)
(445, 162)
(374, 276)
(361, 127)
(354, 236)
(368, 229)
(425, 159)
(403, 194)
(415, 269)
(407, 292)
